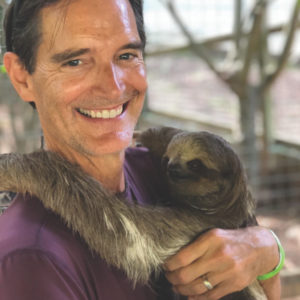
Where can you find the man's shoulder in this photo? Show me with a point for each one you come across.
(27, 268)
(20, 225)
(28, 226)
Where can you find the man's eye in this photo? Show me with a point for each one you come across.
(73, 63)
(127, 56)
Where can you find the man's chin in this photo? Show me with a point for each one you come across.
(115, 147)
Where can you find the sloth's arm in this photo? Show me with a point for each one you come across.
(156, 139)
(134, 238)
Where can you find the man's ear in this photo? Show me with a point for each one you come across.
(19, 76)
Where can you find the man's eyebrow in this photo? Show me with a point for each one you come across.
(134, 45)
(68, 54)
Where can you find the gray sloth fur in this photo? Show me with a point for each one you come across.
(206, 183)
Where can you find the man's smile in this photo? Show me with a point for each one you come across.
(103, 114)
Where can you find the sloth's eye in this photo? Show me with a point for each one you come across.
(196, 165)
(164, 162)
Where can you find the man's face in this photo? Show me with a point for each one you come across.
(89, 83)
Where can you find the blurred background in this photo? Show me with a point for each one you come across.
(231, 67)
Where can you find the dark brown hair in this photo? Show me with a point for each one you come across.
(23, 30)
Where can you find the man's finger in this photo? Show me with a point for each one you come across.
(190, 273)
(198, 287)
(214, 265)
(188, 254)
(221, 290)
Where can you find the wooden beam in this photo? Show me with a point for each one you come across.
(210, 42)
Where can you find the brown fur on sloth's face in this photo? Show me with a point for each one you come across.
(196, 164)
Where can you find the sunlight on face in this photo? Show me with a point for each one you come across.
(90, 82)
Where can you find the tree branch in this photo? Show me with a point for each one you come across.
(253, 39)
(287, 47)
(237, 27)
(263, 53)
(3, 3)
(211, 41)
(199, 50)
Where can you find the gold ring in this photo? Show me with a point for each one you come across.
(208, 285)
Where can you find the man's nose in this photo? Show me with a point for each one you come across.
(110, 82)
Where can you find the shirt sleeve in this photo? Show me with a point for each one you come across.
(33, 274)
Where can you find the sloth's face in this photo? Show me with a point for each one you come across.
(190, 177)
(193, 166)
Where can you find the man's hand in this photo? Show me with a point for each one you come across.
(229, 259)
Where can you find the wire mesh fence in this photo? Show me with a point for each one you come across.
(181, 86)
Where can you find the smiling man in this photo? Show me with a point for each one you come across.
(88, 84)
(80, 63)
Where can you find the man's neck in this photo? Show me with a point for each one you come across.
(107, 168)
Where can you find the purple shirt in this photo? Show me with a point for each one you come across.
(41, 259)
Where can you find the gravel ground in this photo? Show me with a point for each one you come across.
(286, 224)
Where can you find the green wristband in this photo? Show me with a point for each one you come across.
(2, 69)
(280, 264)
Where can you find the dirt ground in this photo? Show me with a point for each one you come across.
(286, 224)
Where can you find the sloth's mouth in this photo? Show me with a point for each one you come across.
(178, 175)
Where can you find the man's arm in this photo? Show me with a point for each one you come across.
(272, 287)
(229, 259)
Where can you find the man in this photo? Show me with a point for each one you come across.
(81, 65)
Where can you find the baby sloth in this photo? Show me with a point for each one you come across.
(206, 184)
(202, 172)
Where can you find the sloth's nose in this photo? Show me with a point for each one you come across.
(175, 171)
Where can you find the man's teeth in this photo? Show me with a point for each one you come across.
(103, 114)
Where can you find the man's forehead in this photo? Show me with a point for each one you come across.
(90, 12)
(90, 18)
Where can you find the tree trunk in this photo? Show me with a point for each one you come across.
(237, 27)
(267, 138)
(248, 108)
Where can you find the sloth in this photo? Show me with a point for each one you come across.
(201, 172)
(206, 184)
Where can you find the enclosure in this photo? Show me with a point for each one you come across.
(227, 66)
